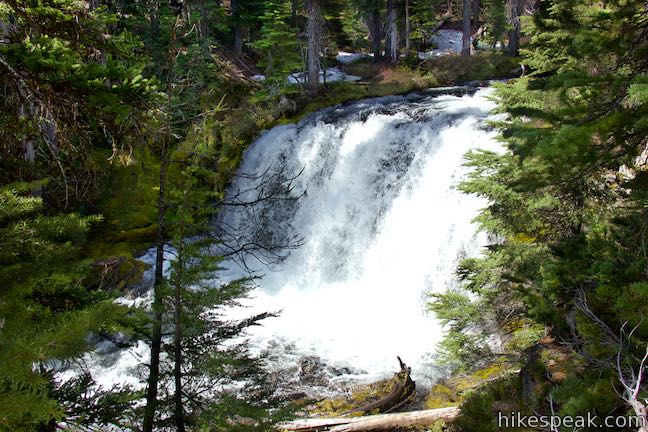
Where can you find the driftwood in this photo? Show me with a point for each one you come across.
(372, 423)
(401, 394)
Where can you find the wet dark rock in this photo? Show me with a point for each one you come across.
(312, 371)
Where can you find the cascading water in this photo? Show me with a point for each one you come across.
(382, 224)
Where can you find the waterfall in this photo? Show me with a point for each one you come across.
(382, 226)
(382, 222)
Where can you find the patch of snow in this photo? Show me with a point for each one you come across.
(446, 42)
(347, 58)
(332, 75)
(258, 78)
(434, 53)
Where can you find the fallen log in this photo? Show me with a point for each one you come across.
(373, 422)
(400, 394)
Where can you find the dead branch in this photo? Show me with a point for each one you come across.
(631, 379)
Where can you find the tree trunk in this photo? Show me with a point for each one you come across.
(238, 40)
(392, 33)
(238, 29)
(476, 30)
(400, 394)
(293, 13)
(156, 337)
(203, 24)
(408, 29)
(373, 422)
(154, 19)
(465, 41)
(314, 31)
(29, 151)
(514, 10)
(177, 333)
(375, 32)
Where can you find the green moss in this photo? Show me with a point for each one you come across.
(454, 390)
(455, 69)
(441, 396)
(480, 408)
(360, 395)
(129, 208)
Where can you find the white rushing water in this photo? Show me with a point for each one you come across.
(382, 224)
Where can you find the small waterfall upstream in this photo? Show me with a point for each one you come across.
(382, 226)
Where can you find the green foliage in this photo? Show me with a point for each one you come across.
(423, 20)
(46, 309)
(69, 89)
(455, 69)
(223, 385)
(480, 409)
(494, 13)
(278, 43)
(354, 27)
(567, 203)
(89, 405)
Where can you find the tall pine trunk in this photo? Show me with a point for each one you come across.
(375, 33)
(293, 13)
(408, 29)
(392, 33)
(465, 40)
(177, 333)
(314, 30)
(238, 40)
(203, 24)
(238, 28)
(154, 19)
(514, 10)
(156, 337)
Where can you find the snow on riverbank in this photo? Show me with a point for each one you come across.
(446, 42)
(332, 75)
(348, 58)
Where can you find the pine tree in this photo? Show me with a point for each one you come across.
(373, 11)
(466, 17)
(391, 44)
(315, 36)
(73, 86)
(47, 306)
(279, 44)
(205, 352)
(568, 205)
